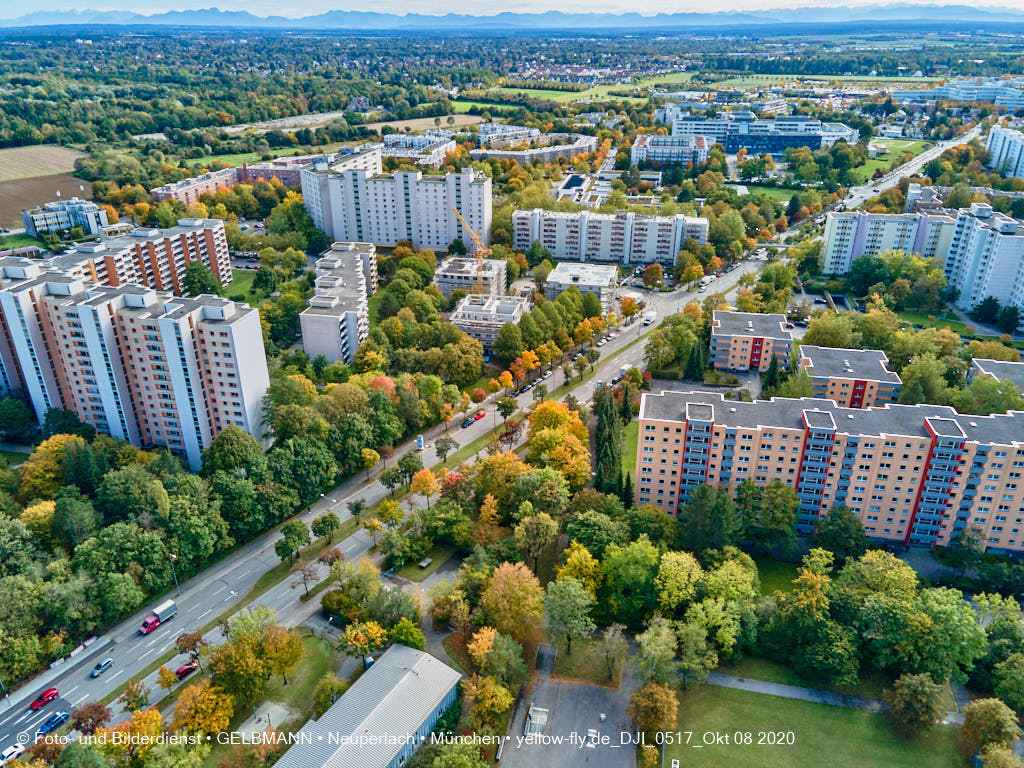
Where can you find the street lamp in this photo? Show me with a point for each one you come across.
(7, 696)
(174, 573)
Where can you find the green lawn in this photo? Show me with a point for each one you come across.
(241, 284)
(237, 158)
(373, 303)
(775, 193)
(19, 241)
(630, 436)
(586, 664)
(775, 575)
(463, 107)
(934, 320)
(14, 457)
(823, 737)
(882, 161)
(439, 555)
(320, 658)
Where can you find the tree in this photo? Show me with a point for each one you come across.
(15, 419)
(408, 634)
(773, 376)
(489, 698)
(306, 574)
(369, 458)
(90, 716)
(283, 649)
(135, 696)
(328, 690)
(654, 276)
(708, 519)
(915, 702)
(679, 576)
(533, 534)
(656, 651)
(363, 638)
(696, 657)
(410, 464)
(445, 445)
(615, 648)
(608, 440)
(373, 526)
(841, 533)
(568, 604)
(237, 668)
(199, 279)
(325, 525)
(391, 478)
(513, 600)
(987, 723)
(654, 708)
(1000, 757)
(294, 536)
(191, 643)
(424, 482)
(203, 708)
(165, 678)
(1009, 676)
(966, 550)
(40, 475)
(628, 594)
(592, 305)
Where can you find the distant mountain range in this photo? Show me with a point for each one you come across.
(371, 21)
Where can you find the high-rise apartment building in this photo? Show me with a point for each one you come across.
(916, 474)
(852, 234)
(853, 378)
(337, 319)
(365, 205)
(1006, 151)
(747, 341)
(62, 215)
(626, 237)
(482, 315)
(139, 364)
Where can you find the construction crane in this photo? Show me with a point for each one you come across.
(481, 252)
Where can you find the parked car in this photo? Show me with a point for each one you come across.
(602, 342)
(53, 722)
(468, 422)
(187, 669)
(13, 752)
(102, 667)
(479, 414)
(44, 698)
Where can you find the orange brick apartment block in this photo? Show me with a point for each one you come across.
(747, 341)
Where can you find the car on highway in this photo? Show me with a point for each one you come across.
(13, 752)
(186, 669)
(44, 698)
(479, 414)
(468, 422)
(102, 667)
(53, 722)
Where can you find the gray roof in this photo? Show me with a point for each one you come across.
(749, 324)
(393, 698)
(829, 362)
(1002, 370)
(791, 413)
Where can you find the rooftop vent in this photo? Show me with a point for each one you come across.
(974, 423)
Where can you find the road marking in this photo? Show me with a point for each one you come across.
(68, 693)
(120, 671)
(147, 653)
(203, 613)
(76, 703)
(4, 738)
(214, 594)
(22, 718)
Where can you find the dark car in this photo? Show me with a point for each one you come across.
(468, 422)
(187, 669)
(44, 698)
(102, 667)
(53, 722)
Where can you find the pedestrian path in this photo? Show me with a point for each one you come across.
(796, 692)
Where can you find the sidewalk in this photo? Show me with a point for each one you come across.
(811, 695)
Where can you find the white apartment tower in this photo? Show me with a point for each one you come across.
(1006, 151)
(337, 319)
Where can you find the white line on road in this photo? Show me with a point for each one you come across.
(149, 652)
(214, 594)
(68, 693)
(4, 738)
(22, 718)
(76, 703)
(120, 671)
(203, 613)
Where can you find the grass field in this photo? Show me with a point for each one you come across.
(29, 162)
(18, 194)
(599, 91)
(463, 107)
(630, 436)
(824, 737)
(774, 193)
(775, 575)
(241, 283)
(894, 148)
(439, 555)
(20, 241)
(237, 158)
(586, 664)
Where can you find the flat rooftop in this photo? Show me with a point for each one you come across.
(1001, 369)
(461, 265)
(835, 363)
(567, 272)
(750, 324)
(792, 413)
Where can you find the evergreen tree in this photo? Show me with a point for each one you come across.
(627, 491)
(608, 440)
(773, 376)
(694, 370)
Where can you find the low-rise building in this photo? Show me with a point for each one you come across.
(670, 150)
(62, 215)
(598, 279)
(382, 719)
(547, 148)
(747, 341)
(482, 315)
(1007, 93)
(337, 319)
(853, 378)
(998, 369)
(625, 237)
(488, 132)
(461, 273)
(422, 150)
(914, 474)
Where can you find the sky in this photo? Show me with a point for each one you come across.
(297, 8)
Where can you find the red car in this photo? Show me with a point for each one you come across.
(479, 415)
(44, 698)
(187, 669)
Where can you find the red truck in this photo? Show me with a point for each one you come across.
(160, 615)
